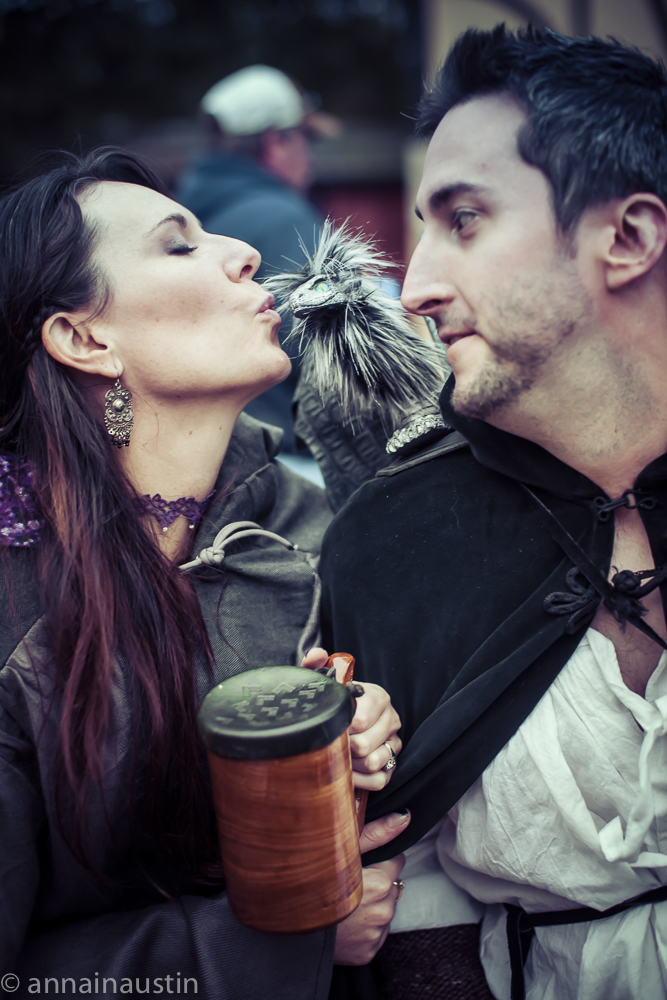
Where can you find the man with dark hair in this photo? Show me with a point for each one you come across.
(520, 565)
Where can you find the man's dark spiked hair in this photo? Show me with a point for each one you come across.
(596, 110)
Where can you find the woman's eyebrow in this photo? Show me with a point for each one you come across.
(176, 217)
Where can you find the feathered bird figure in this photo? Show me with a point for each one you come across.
(356, 341)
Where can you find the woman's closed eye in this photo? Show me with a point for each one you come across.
(181, 248)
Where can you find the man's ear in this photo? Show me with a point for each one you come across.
(72, 342)
(638, 230)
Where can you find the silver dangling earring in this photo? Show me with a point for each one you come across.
(118, 415)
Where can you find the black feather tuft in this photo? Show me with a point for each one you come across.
(357, 341)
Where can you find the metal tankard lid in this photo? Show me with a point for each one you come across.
(274, 712)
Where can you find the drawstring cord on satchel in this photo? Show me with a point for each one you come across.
(214, 556)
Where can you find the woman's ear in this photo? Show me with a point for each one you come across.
(638, 231)
(71, 342)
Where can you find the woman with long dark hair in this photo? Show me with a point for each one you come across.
(123, 324)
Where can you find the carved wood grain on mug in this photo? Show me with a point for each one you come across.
(289, 839)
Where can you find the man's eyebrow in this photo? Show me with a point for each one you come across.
(176, 217)
(445, 194)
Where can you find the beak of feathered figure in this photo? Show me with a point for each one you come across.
(356, 340)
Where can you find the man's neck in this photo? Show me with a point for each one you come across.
(613, 460)
(611, 448)
(610, 437)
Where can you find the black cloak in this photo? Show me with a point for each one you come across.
(435, 575)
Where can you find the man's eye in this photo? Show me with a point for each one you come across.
(462, 219)
(181, 248)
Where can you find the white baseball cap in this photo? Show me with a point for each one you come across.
(253, 100)
(258, 98)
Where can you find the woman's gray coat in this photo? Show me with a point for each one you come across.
(56, 919)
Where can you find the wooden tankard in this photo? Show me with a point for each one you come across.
(281, 773)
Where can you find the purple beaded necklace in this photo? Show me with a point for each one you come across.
(21, 521)
(165, 512)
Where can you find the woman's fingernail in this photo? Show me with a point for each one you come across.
(404, 812)
(398, 818)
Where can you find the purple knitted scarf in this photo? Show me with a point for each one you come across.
(20, 521)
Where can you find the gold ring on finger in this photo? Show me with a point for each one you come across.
(400, 885)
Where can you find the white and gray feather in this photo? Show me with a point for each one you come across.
(356, 341)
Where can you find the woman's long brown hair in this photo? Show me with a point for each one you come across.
(109, 595)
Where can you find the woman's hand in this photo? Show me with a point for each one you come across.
(375, 723)
(361, 935)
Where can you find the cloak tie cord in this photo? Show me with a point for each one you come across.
(622, 595)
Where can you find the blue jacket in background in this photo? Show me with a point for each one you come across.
(234, 196)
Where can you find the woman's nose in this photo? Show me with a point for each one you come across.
(241, 260)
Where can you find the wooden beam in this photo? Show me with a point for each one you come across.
(580, 18)
(660, 14)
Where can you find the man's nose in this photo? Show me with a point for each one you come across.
(241, 260)
(426, 288)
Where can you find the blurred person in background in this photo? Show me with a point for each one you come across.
(251, 186)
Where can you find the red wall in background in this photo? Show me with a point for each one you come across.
(377, 209)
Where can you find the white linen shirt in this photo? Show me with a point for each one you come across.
(572, 812)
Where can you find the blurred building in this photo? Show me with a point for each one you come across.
(75, 73)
